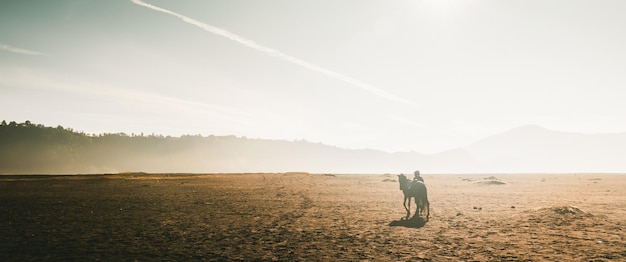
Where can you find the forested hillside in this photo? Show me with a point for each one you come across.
(27, 148)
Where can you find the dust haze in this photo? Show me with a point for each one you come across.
(36, 149)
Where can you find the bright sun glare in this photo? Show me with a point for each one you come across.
(441, 5)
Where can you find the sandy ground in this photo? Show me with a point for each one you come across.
(289, 217)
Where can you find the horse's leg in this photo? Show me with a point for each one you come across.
(405, 208)
(408, 211)
(427, 206)
(420, 206)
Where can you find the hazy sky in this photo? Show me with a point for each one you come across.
(421, 76)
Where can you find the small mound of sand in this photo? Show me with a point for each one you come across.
(389, 180)
(565, 210)
(490, 182)
(297, 173)
(560, 215)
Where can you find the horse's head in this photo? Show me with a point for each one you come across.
(403, 181)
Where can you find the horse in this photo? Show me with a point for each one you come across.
(416, 190)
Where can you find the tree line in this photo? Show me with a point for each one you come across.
(28, 148)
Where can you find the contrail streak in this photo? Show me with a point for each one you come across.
(17, 50)
(251, 44)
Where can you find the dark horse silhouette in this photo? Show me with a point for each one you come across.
(416, 190)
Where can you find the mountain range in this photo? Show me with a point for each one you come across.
(34, 149)
(532, 148)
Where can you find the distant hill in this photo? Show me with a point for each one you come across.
(27, 148)
(535, 149)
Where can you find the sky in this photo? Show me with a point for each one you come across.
(391, 75)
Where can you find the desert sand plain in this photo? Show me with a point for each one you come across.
(311, 217)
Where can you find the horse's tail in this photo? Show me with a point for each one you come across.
(426, 202)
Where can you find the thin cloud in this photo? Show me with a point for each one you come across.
(18, 50)
(275, 53)
(405, 121)
(35, 79)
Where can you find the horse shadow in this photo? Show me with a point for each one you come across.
(413, 222)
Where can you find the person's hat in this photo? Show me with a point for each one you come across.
(417, 172)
